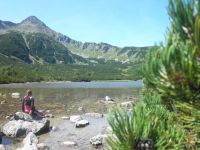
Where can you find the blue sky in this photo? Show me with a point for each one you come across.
(118, 22)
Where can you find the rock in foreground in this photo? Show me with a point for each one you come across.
(23, 123)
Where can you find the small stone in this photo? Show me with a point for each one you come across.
(68, 143)
(75, 118)
(65, 118)
(54, 128)
(7, 117)
(3, 102)
(98, 139)
(109, 102)
(47, 111)
(127, 104)
(49, 116)
(80, 109)
(15, 95)
(43, 146)
(96, 115)
(81, 123)
(107, 98)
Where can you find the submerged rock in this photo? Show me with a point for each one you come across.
(23, 124)
(15, 95)
(30, 142)
(127, 104)
(65, 118)
(107, 98)
(95, 115)
(98, 140)
(68, 143)
(43, 146)
(81, 123)
(75, 118)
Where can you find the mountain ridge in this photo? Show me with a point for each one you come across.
(88, 50)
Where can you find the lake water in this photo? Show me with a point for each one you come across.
(67, 97)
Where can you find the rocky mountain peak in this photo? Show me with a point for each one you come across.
(33, 20)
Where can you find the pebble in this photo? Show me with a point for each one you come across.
(49, 116)
(68, 143)
(65, 118)
(3, 102)
(75, 118)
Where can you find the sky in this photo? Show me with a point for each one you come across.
(117, 22)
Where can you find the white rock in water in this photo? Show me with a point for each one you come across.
(108, 102)
(54, 128)
(30, 142)
(107, 98)
(96, 115)
(49, 116)
(2, 147)
(68, 143)
(75, 118)
(98, 139)
(80, 109)
(127, 104)
(43, 146)
(65, 118)
(15, 95)
(81, 123)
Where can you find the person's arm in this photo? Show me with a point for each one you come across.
(32, 105)
(23, 104)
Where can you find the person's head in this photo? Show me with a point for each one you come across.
(29, 92)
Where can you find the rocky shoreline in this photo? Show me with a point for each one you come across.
(84, 131)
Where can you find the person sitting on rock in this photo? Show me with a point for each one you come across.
(28, 105)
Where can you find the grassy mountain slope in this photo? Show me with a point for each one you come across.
(93, 51)
(36, 48)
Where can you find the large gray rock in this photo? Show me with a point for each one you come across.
(30, 142)
(23, 124)
(22, 116)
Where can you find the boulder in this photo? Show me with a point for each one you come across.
(23, 124)
(98, 140)
(81, 123)
(30, 142)
(22, 116)
(75, 118)
(95, 115)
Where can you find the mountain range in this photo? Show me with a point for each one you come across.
(32, 41)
